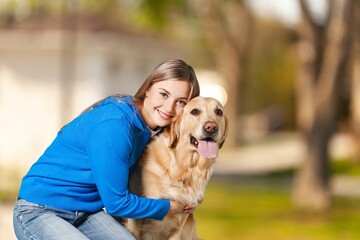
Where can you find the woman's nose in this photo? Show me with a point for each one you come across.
(170, 107)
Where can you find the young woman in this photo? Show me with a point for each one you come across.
(86, 168)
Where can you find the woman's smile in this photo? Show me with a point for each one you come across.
(164, 115)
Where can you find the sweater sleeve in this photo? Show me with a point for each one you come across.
(109, 150)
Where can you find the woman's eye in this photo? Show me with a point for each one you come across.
(163, 94)
(182, 102)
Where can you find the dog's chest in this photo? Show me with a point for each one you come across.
(188, 189)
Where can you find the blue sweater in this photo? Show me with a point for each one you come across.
(87, 166)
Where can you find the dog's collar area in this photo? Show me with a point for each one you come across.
(155, 131)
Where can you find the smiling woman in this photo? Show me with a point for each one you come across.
(163, 101)
(86, 168)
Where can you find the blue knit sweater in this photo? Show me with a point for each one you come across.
(87, 166)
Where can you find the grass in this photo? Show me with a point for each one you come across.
(8, 196)
(260, 208)
(10, 178)
(345, 167)
(337, 167)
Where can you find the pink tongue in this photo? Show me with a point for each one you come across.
(208, 149)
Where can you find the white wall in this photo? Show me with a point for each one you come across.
(31, 82)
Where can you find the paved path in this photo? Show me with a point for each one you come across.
(261, 158)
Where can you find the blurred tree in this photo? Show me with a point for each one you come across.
(227, 27)
(7, 12)
(323, 53)
(270, 73)
(355, 90)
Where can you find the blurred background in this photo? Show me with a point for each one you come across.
(288, 73)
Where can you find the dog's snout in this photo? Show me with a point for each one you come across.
(210, 127)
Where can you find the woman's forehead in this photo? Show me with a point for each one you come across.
(176, 88)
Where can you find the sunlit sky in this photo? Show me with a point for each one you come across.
(286, 10)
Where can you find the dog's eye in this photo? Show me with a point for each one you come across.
(195, 112)
(219, 112)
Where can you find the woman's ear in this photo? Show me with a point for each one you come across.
(147, 93)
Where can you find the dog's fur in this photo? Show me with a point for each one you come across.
(172, 168)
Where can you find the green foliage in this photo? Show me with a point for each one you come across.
(10, 178)
(345, 167)
(104, 8)
(7, 12)
(159, 15)
(8, 196)
(260, 208)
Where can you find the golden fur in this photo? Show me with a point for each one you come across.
(171, 168)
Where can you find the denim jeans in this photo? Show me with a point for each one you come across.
(33, 221)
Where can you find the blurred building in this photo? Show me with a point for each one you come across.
(47, 77)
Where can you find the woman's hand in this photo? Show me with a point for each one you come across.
(188, 209)
(176, 207)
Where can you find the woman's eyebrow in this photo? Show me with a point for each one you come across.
(183, 98)
(165, 90)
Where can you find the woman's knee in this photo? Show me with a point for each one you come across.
(103, 226)
(33, 221)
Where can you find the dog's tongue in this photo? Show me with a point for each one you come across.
(208, 149)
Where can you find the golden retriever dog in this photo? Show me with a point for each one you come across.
(177, 165)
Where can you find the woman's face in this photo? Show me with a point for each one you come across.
(164, 100)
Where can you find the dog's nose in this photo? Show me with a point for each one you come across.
(210, 127)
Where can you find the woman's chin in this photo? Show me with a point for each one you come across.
(163, 122)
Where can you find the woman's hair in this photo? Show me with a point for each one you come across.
(176, 70)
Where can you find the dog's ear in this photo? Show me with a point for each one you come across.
(223, 137)
(174, 131)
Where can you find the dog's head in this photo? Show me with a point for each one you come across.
(202, 126)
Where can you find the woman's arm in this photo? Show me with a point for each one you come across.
(109, 149)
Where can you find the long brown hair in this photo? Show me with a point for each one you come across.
(174, 69)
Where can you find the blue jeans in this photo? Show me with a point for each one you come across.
(33, 221)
